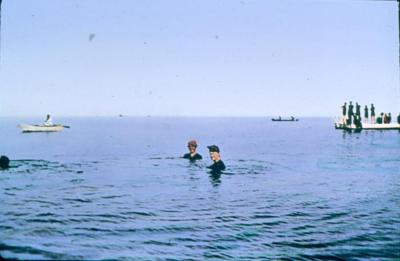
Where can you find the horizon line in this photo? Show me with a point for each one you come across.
(169, 116)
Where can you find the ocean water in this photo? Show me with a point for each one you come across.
(115, 188)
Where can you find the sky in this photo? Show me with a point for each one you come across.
(197, 58)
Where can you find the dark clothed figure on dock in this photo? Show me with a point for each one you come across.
(389, 118)
(358, 109)
(366, 114)
(344, 112)
(218, 164)
(344, 109)
(380, 119)
(385, 118)
(398, 119)
(4, 162)
(192, 155)
(350, 114)
(372, 113)
(357, 121)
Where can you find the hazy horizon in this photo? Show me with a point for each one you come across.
(197, 59)
(162, 116)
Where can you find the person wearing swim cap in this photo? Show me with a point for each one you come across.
(218, 164)
(4, 162)
(192, 155)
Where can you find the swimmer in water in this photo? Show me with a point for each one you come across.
(4, 162)
(218, 164)
(192, 155)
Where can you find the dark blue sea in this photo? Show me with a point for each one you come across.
(116, 188)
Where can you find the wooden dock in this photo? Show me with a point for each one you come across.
(368, 126)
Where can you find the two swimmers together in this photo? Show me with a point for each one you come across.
(217, 166)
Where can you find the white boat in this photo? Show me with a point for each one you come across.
(41, 128)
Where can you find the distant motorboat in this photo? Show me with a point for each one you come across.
(41, 128)
(285, 119)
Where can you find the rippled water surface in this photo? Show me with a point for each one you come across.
(115, 188)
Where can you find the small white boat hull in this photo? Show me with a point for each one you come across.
(40, 128)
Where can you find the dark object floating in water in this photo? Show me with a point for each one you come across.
(285, 119)
(4, 162)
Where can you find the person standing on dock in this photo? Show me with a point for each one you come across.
(357, 121)
(379, 120)
(358, 110)
(389, 118)
(373, 114)
(398, 119)
(366, 114)
(350, 114)
(344, 112)
(385, 118)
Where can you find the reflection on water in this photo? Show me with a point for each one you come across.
(215, 178)
(303, 192)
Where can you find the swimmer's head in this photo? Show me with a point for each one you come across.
(192, 145)
(4, 162)
(214, 152)
(213, 148)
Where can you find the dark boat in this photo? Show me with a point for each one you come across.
(283, 119)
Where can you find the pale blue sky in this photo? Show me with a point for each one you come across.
(197, 58)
